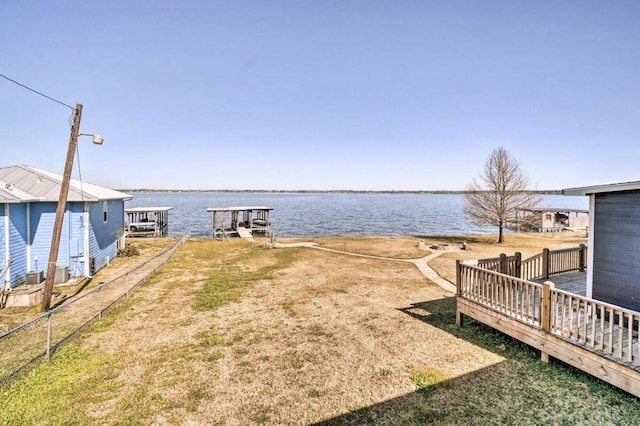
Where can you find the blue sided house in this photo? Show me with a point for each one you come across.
(93, 227)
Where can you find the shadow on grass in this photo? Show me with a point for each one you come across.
(518, 390)
(80, 288)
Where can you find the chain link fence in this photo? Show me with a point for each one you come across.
(35, 341)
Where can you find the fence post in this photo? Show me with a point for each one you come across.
(545, 263)
(504, 266)
(545, 313)
(100, 303)
(518, 271)
(459, 315)
(583, 254)
(49, 337)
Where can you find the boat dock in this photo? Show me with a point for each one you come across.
(244, 222)
(147, 221)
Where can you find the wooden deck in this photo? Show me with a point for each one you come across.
(554, 316)
(575, 282)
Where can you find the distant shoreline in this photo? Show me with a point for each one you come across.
(336, 191)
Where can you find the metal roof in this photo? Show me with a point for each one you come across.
(233, 209)
(147, 209)
(554, 209)
(24, 184)
(613, 187)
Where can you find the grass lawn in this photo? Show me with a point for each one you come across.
(233, 333)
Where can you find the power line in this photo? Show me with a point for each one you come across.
(36, 92)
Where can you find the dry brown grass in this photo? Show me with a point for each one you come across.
(323, 336)
(396, 247)
(234, 333)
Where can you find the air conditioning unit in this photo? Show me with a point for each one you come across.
(62, 275)
(34, 277)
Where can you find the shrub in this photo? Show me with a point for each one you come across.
(129, 250)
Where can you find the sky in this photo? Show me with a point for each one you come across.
(323, 95)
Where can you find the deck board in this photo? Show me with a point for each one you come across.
(575, 282)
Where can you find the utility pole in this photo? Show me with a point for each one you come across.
(60, 211)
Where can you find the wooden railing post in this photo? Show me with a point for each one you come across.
(545, 263)
(583, 256)
(545, 313)
(518, 271)
(504, 265)
(459, 315)
(458, 278)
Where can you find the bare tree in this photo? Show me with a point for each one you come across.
(501, 190)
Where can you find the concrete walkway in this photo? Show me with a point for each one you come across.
(422, 263)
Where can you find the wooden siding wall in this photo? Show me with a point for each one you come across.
(18, 243)
(103, 236)
(616, 256)
(74, 241)
(3, 243)
(42, 219)
(30, 241)
(42, 222)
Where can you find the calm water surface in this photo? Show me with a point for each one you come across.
(320, 214)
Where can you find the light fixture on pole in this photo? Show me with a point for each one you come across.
(97, 137)
(62, 203)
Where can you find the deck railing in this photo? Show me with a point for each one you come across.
(564, 261)
(512, 296)
(532, 267)
(509, 265)
(547, 264)
(607, 329)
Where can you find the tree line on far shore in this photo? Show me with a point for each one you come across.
(330, 191)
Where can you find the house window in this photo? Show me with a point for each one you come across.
(105, 211)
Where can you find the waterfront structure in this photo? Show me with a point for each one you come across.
(147, 221)
(92, 232)
(240, 221)
(551, 219)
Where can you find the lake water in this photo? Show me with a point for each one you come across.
(322, 214)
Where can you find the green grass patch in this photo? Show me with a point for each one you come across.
(314, 393)
(385, 372)
(262, 416)
(227, 280)
(426, 380)
(215, 356)
(194, 397)
(52, 391)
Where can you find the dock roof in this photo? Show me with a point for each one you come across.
(554, 209)
(147, 209)
(235, 209)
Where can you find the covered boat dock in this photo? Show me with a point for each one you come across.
(147, 221)
(551, 219)
(240, 221)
